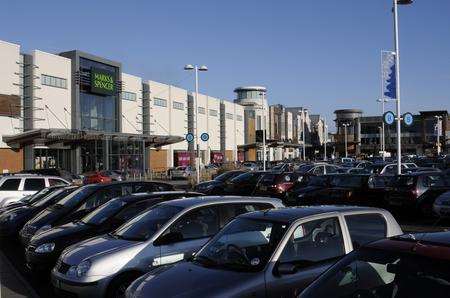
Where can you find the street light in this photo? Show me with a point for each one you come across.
(382, 138)
(190, 67)
(303, 133)
(438, 133)
(325, 132)
(397, 70)
(263, 128)
(345, 125)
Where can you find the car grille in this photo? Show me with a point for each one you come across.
(29, 230)
(62, 267)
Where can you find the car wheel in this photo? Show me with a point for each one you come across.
(119, 285)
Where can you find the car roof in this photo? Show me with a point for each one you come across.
(291, 214)
(156, 194)
(200, 200)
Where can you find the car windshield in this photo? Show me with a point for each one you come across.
(100, 215)
(347, 181)
(37, 196)
(54, 195)
(243, 245)
(304, 168)
(381, 273)
(75, 197)
(225, 176)
(147, 224)
(242, 177)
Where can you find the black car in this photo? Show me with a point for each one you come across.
(244, 184)
(45, 248)
(216, 186)
(13, 218)
(305, 187)
(414, 192)
(83, 201)
(275, 184)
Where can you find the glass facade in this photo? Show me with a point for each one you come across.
(249, 94)
(98, 112)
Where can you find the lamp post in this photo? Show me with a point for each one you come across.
(397, 89)
(325, 129)
(196, 69)
(380, 129)
(438, 133)
(383, 101)
(263, 104)
(345, 125)
(303, 134)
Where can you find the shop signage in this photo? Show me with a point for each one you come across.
(408, 119)
(388, 118)
(102, 81)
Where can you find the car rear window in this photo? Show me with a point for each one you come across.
(10, 184)
(365, 228)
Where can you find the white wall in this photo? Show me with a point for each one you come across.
(213, 128)
(55, 98)
(132, 110)
(9, 76)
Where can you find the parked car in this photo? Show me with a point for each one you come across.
(216, 186)
(306, 188)
(14, 218)
(83, 201)
(102, 177)
(318, 169)
(181, 172)
(275, 184)
(275, 253)
(249, 166)
(409, 191)
(441, 206)
(15, 187)
(165, 234)
(244, 184)
(403, 266)
(66, 175)
(391, 169)
(45, 248)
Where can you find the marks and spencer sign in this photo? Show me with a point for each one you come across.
(102, 81)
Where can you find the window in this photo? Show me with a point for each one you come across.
(201, 110)
(238, 117)
(10, 184)
(230, 211)
(34, 184)
(365, 228)
(213, 113)
(318, 170)
(330, 169)
(133, 210)
(129, 96)
(229, 116)
(53, 182)
(100, 197)
(160, 102)
(313, 242)
(196, 224)
(178, 105)
(53, 81)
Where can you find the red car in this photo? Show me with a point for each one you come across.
(97, 177)
(407, 266)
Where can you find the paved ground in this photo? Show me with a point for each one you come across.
(12, 284)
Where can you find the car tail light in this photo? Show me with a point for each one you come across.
(285, 186)
(415, 192)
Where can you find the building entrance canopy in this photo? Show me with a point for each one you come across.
(45, 137)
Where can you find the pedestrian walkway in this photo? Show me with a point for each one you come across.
(12, 284)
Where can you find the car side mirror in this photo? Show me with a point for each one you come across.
(286, 269)
(169, 238)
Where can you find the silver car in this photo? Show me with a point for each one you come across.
(166, 233)
(275, 253)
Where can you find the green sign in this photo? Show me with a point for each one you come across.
(102, 81)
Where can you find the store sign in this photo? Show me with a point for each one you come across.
(102, 81)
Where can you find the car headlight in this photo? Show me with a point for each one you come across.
(45, 248)
(43, 228)
(83, 267)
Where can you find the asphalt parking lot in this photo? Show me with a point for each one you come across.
(17, 281)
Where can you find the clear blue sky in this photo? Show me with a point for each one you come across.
(323, 55)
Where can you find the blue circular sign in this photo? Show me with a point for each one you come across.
(204, 137)
(189, 137)
(388, 118)
(408, 119)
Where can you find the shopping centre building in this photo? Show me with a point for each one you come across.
(81, 112)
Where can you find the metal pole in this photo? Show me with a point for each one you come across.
(264, 131)
(325, 140)
(438, 135)
(381, 139)
(345, 139)
(383, 145)
(303, 135)
(197, 160)
(397, 69)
